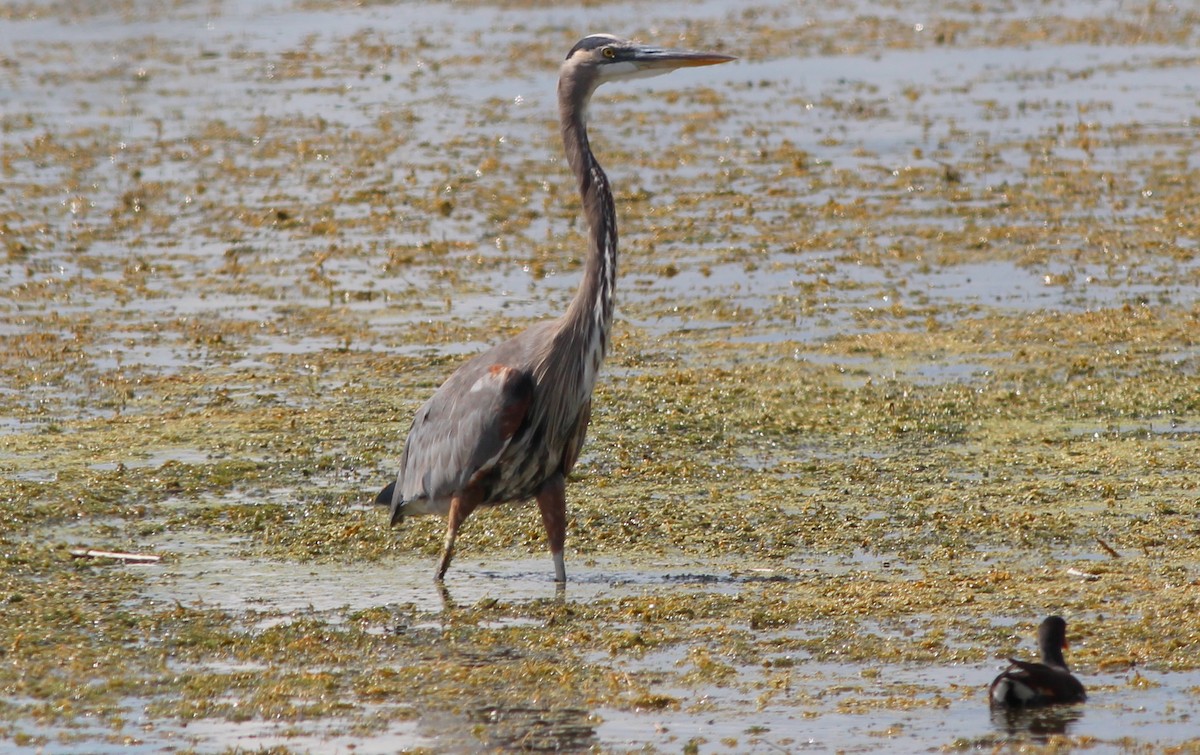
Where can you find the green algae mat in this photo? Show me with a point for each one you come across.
(905, 359)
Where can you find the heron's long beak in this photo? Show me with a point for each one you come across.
(665, 59)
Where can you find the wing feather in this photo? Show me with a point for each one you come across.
(461, 431)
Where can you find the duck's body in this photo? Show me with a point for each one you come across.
(1025, 684)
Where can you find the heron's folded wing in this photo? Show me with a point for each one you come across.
(463, 429)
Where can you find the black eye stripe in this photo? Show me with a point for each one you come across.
(590, 43)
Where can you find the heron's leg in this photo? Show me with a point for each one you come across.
(447, 601)
(461, 506)
(552, 502)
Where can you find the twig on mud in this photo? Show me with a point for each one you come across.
(134, 558)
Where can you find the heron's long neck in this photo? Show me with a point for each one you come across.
(591, 311)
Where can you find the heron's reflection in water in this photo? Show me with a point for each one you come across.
(449, 604)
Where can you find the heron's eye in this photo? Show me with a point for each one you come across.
(609, 53)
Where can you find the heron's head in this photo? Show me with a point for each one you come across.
(600, 58)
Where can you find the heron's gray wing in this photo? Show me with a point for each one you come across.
(462, 431)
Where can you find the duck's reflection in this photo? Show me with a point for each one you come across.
(1038, 723)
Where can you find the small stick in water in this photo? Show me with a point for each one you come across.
(136, 558)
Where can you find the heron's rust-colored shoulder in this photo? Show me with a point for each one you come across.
(516, 391)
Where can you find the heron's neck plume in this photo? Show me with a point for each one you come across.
(590, 313)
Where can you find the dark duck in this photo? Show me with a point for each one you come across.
(1026, 685)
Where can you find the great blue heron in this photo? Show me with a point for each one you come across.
(508, 425)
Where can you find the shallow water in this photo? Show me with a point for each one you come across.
(249, 238)
(823, 706)
(947, 705)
